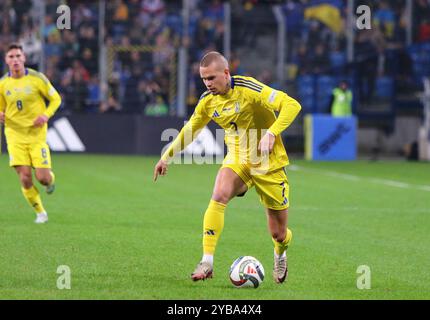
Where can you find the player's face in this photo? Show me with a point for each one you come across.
(215, 78)
(15, 60)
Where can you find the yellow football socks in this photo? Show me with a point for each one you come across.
(53, 178)
(33, 198)
(213, 223)
(281, 247)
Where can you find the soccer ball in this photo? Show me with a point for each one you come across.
(246, 271)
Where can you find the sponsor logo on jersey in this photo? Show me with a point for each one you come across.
(237, 107)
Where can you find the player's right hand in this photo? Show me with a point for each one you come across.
(1, 117)
(160, 169)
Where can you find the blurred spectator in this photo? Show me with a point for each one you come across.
(150, 32)
(421, 14)
(369, 45)
(89, 62)
(385, 19)
(424, 30)
(294, 24)
(248, 21)
(301, 59)
(53, 45)
(196, 87)
(112, 104)
(341, 101)
(120, 19)
(235, 67)
(319, 61)
(132, 102)
(163, 51)
(121, 12)
(32, 47)
(267, 77)
(22, 8)
(77, 67)
(157, 108)
(149, 92)
(94, 94)
(76, 92)
(152, 10)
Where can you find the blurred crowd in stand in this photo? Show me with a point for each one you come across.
(143, 36)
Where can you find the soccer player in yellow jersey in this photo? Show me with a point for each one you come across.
(25, 115)
(245, 109)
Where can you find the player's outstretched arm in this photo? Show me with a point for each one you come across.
(160, 169)
(1, 117)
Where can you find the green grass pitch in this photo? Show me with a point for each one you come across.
(125, 237)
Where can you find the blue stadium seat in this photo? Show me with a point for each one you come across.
(426, 47)
(325, 86)
(420, 62)
(337, 60)
(306, 86)
(412, 49)
(306, 92)
(384, 87)
(174, 22)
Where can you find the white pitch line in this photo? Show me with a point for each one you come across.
(392, 183)
(425, 188)
(350, 177)
(343, 176)
(350, 209)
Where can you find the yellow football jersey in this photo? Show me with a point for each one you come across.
(23, 100)
(244, 112)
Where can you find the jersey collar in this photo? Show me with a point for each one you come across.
(25, 72)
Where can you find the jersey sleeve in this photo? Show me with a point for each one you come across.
(49, 92)
(278, 101)
(197, 121)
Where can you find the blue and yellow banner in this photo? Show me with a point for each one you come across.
(328, 12)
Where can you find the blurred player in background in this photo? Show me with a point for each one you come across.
(241, 105)
(25, 116)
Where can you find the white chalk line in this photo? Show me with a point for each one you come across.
(350, 177)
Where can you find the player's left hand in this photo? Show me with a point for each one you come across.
(266, 143)
(40, 120)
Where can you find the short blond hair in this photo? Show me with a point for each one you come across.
(214, 56)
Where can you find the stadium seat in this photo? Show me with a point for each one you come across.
(306, 92)
(337, 61)
(325, 86)
(420, 63)
(426, 47)
(174, 22)
(384, 87)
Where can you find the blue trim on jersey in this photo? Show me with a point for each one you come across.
(25, 72)
(232, 82)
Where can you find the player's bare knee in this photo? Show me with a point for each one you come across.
(26, 180)
(44, 179)
(278, 236)
(222, 197)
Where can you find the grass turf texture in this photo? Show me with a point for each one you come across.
(125, 237)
